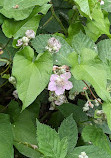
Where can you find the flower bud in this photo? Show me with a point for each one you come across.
(25, 39)
(30, 34)
(12, 80)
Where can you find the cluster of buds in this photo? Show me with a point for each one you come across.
(100, 116)
(12, 80)
(29, 34)
(73, 95)
(56, 100)
(53, 45)
(83, 155)
(87, 106)
(60, 69)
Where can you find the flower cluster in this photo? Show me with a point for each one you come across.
(59, 82)
(53, 45)
(83, 155)
(29, 34)
(88, 104)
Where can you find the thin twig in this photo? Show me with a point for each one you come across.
(92, 92)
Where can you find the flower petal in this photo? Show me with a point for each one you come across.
(68, 85)
(66, 75)
(60, 90)
(52, 86)
(53, 77)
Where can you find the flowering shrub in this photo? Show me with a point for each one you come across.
(55, 79)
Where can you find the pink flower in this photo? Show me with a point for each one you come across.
(60, 83)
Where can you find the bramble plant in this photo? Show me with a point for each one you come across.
(55, 79)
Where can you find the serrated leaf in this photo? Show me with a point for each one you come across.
(84, 6)
(61, 57)
(91, 70)
(78, 114)
(49, 142)
(25, 133)
(104, 50)
(97, 137)
(81, 41)
(68, 129)
(91, 151)
(32, 76)
(6, 137)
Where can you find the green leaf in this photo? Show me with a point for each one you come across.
(107, 5)
(100, 25)
(61, 57)
(6, 137)
(81, 41)
(91, 70)
(84, 6)
(49, 142)
(107, 109)
(25, 135)
(68, 129)
(18, 28)
(32, 76)
(104, 50)
(97, 137)
(78, 114)
(91, 151)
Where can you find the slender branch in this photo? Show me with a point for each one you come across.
(59, 21)
(47, 21)
(35, 147)
(92, 92)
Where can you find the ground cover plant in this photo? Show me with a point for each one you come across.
(55, 79)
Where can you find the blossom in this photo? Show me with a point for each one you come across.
(59, 83)
(102, 2)
(83, 155)
(87, 105)
(15, 94)
(12, 80)
(19, 43)
(30, 34)
(96, 101)
(53, 45)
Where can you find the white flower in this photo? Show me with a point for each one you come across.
(85, 108)
(53, 45)
(30, 34)
(102, 2)
(19, 43)
(83, 155)
(15, 94)
(12, 80)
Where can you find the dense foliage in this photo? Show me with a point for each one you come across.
(55, 79)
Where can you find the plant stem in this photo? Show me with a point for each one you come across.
(92, 92)
(34, 147)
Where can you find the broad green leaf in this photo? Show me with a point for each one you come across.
(18, 28)
(84, 6)
(68, 129)
(91, 70)
(6, 137)
(81, 41)
(49, 142)
(104, 50)
(78, 114)
(61, 57)
(100, 25)
(32, 76)
(91, 151)
(25, 135)
(97, 137)
(107, 110)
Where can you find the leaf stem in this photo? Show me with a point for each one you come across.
(92, 92)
